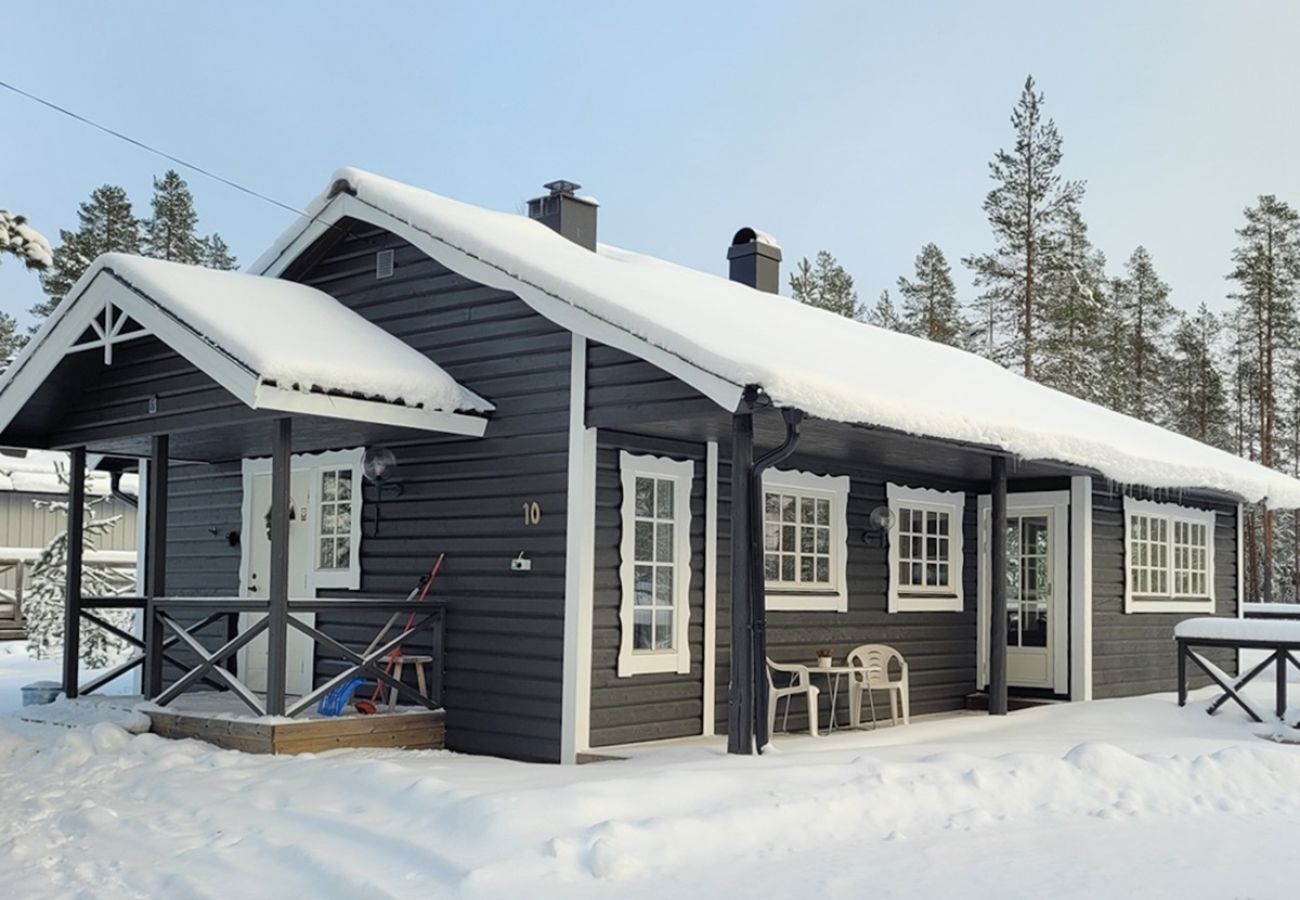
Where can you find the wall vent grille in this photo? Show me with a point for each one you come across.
(384, 264)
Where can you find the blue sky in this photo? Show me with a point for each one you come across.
(864, 129)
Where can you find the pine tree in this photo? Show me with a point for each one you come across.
(1197, 398)
(884, 314)
(1146, 316)
(23, 242)
(216, 255)
(1025, 210)
(826, 285)
(1074, 319)
(1266, 268)
(43, 603)
(930, 306)
(106, 225)
(171, 232)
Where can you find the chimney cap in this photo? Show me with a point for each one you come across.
(749, 235)
(562, 188)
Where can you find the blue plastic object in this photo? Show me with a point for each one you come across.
(336, 700)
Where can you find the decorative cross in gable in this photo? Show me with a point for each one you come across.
(109, 327)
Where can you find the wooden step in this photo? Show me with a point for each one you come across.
(980, 701)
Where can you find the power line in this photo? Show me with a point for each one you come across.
(154, 150)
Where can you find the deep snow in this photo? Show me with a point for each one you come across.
(1133, 797)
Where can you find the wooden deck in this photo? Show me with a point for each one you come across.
(411, 729)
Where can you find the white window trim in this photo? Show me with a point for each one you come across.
(940, 600)
(317, 464)
(1173, 512)
(834, 598)
(682, 474)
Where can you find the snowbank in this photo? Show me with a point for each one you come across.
(826, 365)
(1220, 628)
(1155, 798)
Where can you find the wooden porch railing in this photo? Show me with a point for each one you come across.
(179, 623)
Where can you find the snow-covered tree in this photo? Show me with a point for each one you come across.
(930, 308)
(1026, 210)
(22, 241)
(1073, 312)
(171, 232)
(44, 601)
(825, 284)
(884, 314)
(216, 255)
(106, 224)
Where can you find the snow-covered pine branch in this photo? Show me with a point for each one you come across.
(21, 240)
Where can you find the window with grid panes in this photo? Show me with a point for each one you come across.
(797, 540)
(1169, 557)
(925, 549)
(655, 564)
(334, 534)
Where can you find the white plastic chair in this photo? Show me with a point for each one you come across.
(872, 662)
(800, 683)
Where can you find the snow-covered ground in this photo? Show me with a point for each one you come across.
(1130, 797)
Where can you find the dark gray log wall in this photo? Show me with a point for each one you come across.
(1134, 653)
(641, 707)
(464, 496)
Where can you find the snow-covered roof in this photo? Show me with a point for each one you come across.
(274, 344)
(721, 336)
(45, 472)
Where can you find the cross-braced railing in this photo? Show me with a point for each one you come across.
(185, 624)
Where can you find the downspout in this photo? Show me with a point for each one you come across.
(758, 593)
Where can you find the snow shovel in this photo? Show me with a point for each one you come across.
(334, 702)
(396, 651)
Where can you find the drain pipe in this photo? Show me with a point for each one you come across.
(758, 595)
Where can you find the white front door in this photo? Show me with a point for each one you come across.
(1038, 582)
(257, 581)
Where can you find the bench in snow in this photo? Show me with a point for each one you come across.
(1279, 636)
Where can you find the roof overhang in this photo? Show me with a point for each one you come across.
(105, 310)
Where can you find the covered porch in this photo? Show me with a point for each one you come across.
(173, 366)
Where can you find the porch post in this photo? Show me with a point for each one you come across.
(998, 589)
(155, 560)
(740, 695)
(277, 632)
(72, 591)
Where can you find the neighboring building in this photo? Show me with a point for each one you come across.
(29, 480)
(571, 424)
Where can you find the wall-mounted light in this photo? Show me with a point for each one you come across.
(378, 465)
(882, 522)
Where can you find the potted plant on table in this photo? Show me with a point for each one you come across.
(825, 657)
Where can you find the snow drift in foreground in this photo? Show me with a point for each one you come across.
(1160, 800)
(827, 365)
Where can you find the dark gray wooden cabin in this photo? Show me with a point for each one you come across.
(542, 654)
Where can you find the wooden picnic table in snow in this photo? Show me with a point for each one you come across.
(1279, 636)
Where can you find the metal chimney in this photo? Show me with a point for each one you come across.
(572, 216)
(755, 260)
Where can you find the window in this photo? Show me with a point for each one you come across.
(804, 535)
(1169, 557)
(656, 565)
(334, 544)
(925, 549)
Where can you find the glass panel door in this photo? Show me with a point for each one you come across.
(1029, 579)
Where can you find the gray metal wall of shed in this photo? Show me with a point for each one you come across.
(1134, 653)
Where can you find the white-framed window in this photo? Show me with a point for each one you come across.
(655, 567)
(925, 549)
(335, 506)
(805, 534)
(1168, 557)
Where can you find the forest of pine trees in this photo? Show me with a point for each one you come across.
(1048, 305)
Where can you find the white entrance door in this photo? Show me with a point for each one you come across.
(1038, 582)
(257, 581)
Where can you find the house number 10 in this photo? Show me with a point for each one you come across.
(532, 514)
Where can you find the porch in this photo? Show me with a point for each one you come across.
(136, 366)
